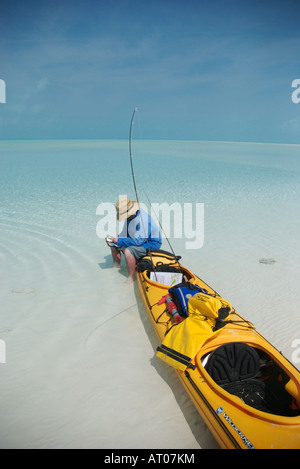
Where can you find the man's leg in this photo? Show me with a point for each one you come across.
(131, 263)
(116, 255)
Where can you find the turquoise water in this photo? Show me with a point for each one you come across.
(68, 179)
(38, 172)
(57, 287)
(250, 193)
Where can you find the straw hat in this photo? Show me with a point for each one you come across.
(126, 208)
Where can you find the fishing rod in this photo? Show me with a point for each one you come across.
(134, 183)
(130, 154)
(136, 192)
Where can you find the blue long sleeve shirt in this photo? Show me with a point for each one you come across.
(138, 229)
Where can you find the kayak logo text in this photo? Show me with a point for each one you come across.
(180, 221)
(296, 93)
(2, 92)
(2, 352)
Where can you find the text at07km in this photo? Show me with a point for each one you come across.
(171, 458)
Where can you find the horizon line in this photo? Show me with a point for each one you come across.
(147, 140)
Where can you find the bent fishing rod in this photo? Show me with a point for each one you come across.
(130, 154)
(136, 192)
(133, 179)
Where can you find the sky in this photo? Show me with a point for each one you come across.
(218, 70)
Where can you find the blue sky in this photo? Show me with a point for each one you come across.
(197, 70)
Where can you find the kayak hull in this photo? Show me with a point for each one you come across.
(233, 423)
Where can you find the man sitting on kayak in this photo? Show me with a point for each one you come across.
(139, 234)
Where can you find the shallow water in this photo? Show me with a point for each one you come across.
(80, 368)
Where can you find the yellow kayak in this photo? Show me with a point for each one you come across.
(245, 390)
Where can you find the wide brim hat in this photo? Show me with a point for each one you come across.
(126, 208)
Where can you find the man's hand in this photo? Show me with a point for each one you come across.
(111, 241)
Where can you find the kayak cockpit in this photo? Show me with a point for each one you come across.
(255, 377)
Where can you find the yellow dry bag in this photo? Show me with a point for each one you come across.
(209, 306)
(184, 340)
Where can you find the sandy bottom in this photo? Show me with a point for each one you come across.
(80, 366)
(80, 369)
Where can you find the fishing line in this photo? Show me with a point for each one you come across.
(106, 321)
(161, 227)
